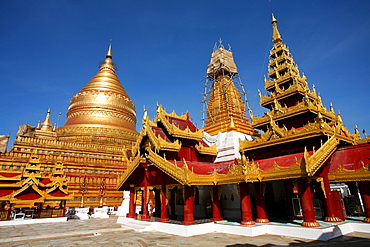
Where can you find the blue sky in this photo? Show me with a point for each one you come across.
(51, 49)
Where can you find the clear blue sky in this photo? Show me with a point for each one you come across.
(51, 49)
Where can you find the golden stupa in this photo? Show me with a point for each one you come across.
(101, 112)
(225, 108)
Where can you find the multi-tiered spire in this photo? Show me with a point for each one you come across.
(295, 112)
(291, 102)
(225, 107)
(101, 112)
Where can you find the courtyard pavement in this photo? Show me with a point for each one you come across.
(106, 232)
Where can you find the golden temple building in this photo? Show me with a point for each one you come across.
(92, 145)
(283, 172)
(281, 163)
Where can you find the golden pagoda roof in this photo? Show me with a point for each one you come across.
(225, 109)
(102, 111)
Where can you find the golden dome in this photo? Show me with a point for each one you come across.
(102, 111)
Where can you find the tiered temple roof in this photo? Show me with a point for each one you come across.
(225, 108)
(31, 185)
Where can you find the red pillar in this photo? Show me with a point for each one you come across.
(288, 185)
(245, 203)
(163, 202)
(259, 189)
(188, 206)
(131, 211)
(365, 194)
(145, 196)
(309, 219)
(216, 204)
(329, 202)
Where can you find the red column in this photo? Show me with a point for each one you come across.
(188, 206)
(216, 204)
(259, 189)
(365, 194)
(131, 211)
(329, 202)
(245, 203)
(163, 202)
(145, 196)
(288, 185)
(309, 219)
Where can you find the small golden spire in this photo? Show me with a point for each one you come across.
(46, 125)
(275, 33)
(109, 52)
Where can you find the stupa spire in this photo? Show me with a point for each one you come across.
(109, 52)
(46, 124)
(275, 33)
(225, 106)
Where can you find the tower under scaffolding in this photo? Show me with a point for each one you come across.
(224, 98)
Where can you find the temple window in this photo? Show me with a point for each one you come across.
(76, 199)
(4, 167)
(18, 167)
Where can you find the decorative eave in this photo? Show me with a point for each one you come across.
(245, 171)
(270, 84)
(253, 173)
(13, 178)
(173, 129)
(160, 144)
(285, 112)
(293, 89)
(167, 167)
(130, 169)
(212, 150)
(315, 161)
(157, 142)
(31, 178)
(26, 186)
(344, 175)
(276, 135)
(57, 187)
(32, 201)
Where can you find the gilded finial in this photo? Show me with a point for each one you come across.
(339, 118)
(331, 107)
(109, 52)
(275, 33)
(356, 129)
